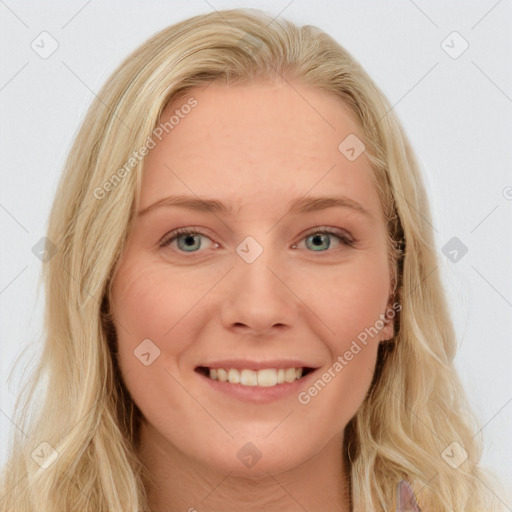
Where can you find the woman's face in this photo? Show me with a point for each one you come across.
(258, 283)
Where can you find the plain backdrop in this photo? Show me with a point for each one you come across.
(455, 105)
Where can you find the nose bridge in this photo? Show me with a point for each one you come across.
(257, 296)
(256, 267)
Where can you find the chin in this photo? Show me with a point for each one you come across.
(256, 457)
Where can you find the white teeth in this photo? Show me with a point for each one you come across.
(267, 377)
(246, 377)
(290, 375)
(233, 376)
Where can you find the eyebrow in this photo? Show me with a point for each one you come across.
(300, 205)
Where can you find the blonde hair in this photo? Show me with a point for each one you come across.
(416, 406)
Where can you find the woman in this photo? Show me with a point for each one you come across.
(244, 310)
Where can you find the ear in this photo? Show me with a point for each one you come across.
(406, 500)
(388, 331)
(389, 319)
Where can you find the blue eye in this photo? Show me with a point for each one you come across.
(189, 240)
(321, 239)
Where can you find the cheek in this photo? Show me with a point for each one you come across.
(348, 299)
(155, 323)
(349, 303)
(148, 304)
(338, 392)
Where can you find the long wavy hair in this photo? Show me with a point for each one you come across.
(75, 402)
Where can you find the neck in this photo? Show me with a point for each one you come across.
(175, 483)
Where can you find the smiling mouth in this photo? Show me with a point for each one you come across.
(266, 377)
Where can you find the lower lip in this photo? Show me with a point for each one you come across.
(258, 394)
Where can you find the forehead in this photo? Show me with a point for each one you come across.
(257, 144)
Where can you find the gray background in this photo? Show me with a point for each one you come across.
(456, 111)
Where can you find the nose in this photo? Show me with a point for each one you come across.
(259, 298)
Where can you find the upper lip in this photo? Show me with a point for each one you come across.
(247, 364)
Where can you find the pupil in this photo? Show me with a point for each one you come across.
(319, 239)
(188, 241)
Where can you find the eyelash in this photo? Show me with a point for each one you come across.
(344, 239)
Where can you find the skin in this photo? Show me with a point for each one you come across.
(256, 147)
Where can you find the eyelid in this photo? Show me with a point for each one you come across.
(342, 234)
(188, 230)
